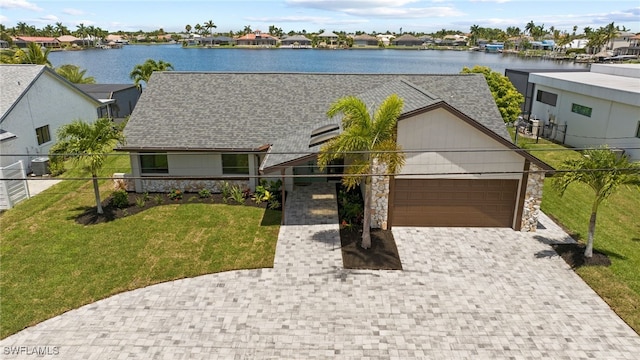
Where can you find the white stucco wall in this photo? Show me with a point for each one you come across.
(438, 132)
(190, 164)
(611, 122)
(51, 102)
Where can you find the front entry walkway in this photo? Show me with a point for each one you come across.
(465, 293)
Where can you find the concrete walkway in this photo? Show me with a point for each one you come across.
(465, 293)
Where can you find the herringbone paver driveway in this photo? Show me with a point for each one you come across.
(464, 294)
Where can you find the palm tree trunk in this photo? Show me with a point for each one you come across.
(96, 190)
(366, 221)
(588, 251)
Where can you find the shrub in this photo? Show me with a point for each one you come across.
(237, 194)
(204, 193)
(225, 190)
(140, 201)
(120, 199)
(56, 167)
(158, 199)
(175, 194)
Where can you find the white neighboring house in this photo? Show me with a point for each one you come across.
(34, 103)
(597, 107)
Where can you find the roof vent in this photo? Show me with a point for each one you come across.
(324, 129)
(321, 139)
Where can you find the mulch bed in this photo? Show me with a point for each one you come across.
(383, 253)
(90, 217)
(573, 254)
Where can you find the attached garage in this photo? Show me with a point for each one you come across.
(453, 202)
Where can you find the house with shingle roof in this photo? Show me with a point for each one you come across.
(365, 40)
(34, 103)
(407, 40)
(461, 167)
(296, 42)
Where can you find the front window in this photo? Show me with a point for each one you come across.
(43, 135)
(235, 164)
(154, 164)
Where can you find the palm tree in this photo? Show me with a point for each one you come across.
(603, 171)
(82, 31)
(32, 55)
(364, 139)
(210, 25)
(61, 30)
(74, 74)
(475, 34)
(198, 29)
(142, 72)
(88, 145)
(611, 32)
(247, 29)
(530, 28)
(188, 29)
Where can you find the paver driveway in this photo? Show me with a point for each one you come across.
(464, 294)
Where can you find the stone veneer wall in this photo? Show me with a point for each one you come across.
(121, 181)
(379, 196)
(532, 199)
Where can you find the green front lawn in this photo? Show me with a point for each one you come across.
(51, 264)
(617, 232)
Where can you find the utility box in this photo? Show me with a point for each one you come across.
(40, 166)
(535, 125)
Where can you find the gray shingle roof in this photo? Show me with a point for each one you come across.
(244, 111)
(103, 91)
(14, 81)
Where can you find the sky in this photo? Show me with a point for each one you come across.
(426, 16)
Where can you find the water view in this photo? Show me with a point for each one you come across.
(114, 65)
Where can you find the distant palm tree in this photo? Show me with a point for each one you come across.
(143, 72)
(188, 29)
(364, 139)
(603, 171)
(74, 74)
(247, 29)
(88, 145)
(82, 31)
(210, 25)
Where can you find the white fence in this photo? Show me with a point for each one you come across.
(13, 187)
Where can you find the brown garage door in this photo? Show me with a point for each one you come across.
(444, 202)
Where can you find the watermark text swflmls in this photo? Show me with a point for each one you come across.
(31, 350)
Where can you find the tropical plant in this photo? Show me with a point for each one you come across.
(32, 55)
(88, 145)
(74, 74)
(237, 194)
(143, 72)
(506, 96)
(204, 193)
(603, 171)
(225, 190)
(365, 139)
(120, 199)
(210, 25)
(175, 194)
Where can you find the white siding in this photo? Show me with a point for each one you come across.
(437, 133)
(48, 102)
(611, 122)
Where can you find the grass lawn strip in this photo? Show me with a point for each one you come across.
(617, 232)
(51, 264)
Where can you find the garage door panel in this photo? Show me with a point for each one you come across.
(445, 202)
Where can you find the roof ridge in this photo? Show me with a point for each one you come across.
(421, 90)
